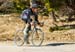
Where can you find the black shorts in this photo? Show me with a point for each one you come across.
(27, 20)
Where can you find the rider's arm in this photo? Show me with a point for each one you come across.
(39, 23)
(36, 18)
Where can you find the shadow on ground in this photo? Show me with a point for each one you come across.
(59, 44)
(51, 44)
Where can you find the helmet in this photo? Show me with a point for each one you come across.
(34, 6)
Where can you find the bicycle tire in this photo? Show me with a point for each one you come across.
(41, 40)
(19, 36)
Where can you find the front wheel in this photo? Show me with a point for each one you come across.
(19, 38)
(37, 37)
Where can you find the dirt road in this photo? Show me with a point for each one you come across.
(51, 47)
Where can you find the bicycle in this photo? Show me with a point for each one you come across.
(37, 36)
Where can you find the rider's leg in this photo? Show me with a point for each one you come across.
(26, 32)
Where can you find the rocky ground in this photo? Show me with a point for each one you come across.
(10, 23)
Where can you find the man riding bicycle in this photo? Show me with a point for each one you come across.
(26, 17)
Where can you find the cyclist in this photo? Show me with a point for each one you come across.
(26, 17)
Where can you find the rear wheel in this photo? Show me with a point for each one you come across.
(37, 37)
(19, 38)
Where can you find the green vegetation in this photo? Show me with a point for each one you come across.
(56, 28)
(50, 5)
(59, 28)
(20, 5)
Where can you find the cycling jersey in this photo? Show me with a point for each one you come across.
(26, 15)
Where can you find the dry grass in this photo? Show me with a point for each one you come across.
(9, 24)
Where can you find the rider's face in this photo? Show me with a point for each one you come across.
(35, 9)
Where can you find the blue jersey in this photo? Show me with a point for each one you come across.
(27, 13)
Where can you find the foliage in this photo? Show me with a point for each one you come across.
(53, 4)
(58, 28)
(20, 5)
(50, 5)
